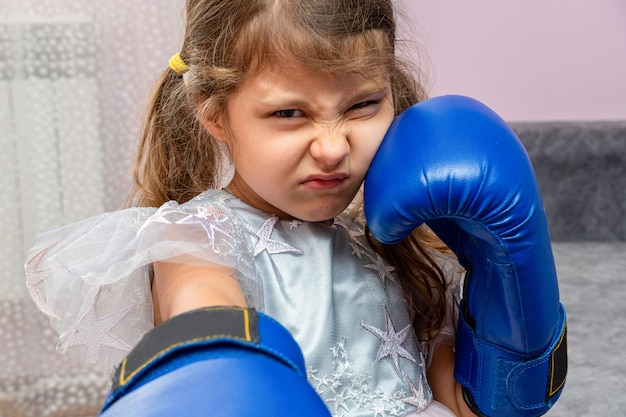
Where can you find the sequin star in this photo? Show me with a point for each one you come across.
(379, 410)
(418, 398)
(264, 243)
(391, 342)
(340, 399)
(385, 272)
(96, 332)
(294, 224)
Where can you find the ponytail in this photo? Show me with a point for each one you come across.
(176, 159)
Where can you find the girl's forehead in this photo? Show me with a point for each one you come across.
(287, 77)
(287, 67)
(299, 74)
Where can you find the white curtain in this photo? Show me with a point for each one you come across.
(74, 77)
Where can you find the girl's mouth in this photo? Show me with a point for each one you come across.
(325, 181)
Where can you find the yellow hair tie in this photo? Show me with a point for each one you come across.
(177, 64)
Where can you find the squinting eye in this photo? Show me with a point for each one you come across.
(286, 114)
(364, 104)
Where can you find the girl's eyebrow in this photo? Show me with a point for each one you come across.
(282, 102)
(373, 91)
(295, 102)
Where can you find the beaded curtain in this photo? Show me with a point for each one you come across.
(74, 78)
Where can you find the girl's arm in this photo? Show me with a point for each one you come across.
(441, 379)
(177, 288)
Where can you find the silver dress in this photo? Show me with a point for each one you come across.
(339, 299)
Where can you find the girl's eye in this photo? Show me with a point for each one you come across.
(287, 114)
(364, 104)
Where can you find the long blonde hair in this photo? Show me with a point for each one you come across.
(225, 41)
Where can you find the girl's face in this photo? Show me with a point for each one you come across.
(302, 141)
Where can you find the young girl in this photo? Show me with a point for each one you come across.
(298, 95)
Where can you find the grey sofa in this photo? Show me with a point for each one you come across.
(581, 170)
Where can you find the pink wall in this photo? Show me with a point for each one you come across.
(529, 60)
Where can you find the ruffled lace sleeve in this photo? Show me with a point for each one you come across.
(92, 278)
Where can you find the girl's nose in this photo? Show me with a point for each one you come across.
(331, 145)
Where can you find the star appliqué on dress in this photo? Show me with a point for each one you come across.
(385, 272)
(210, 218)
(167, 214)
(419, 399)
(96, 331)
(264, 243)
(210, 226)
(391, 342)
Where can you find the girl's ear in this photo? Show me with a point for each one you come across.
(215, 128)
(212, 121)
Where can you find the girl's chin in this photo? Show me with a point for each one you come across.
(322, 214)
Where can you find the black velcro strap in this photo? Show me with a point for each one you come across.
(558, 366)
(197, 326)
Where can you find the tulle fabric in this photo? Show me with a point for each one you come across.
(92, 278)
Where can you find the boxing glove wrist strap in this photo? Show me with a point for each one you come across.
(503, 383)
(198, 333)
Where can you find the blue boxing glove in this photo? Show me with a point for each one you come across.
(452, 163)
(221, 361)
